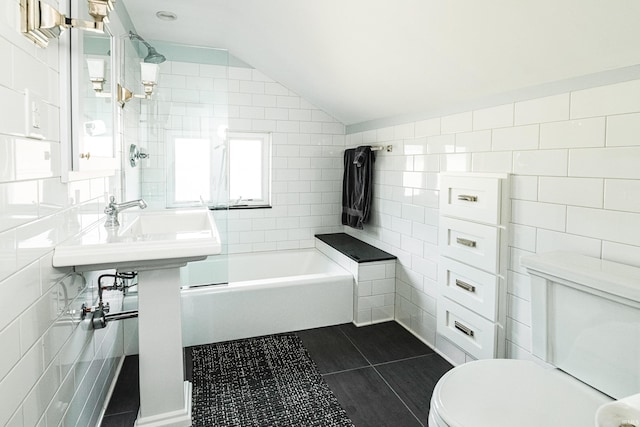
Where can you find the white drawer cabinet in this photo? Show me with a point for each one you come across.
(475, 199)
(469, 242)
(471, 332)
(472, 240)
(473, 288)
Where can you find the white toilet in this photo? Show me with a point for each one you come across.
(585, 326)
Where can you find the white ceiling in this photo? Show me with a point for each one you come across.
(363, 60)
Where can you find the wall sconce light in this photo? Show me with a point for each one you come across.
(124, 95)
(96, 73)
(41, 22)
(149, 77)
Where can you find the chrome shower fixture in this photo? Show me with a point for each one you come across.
(41, 22)
(153, 57)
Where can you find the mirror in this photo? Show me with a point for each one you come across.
(90, 88)
(93, 132)
(133, 126)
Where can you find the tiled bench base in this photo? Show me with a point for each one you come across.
(374, 273)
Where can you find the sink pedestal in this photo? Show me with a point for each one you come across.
(165, 397)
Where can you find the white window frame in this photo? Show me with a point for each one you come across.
(266, 168)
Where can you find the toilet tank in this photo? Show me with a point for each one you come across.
(586, 319)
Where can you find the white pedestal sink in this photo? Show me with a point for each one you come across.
(155, 244)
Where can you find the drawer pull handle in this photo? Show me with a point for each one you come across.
(466, 242)
(467, 198)
(465, 330)
(464, 285)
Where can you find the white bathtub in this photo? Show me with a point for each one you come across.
(267, 293)
(262, 267)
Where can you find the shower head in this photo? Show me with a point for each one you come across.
(153, 57)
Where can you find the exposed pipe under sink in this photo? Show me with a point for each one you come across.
(100, 314)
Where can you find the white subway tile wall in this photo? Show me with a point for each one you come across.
(576, 185)
(54, 370)
(623, 129)
(542, 110)
(492, 118)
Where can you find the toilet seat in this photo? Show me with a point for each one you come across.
(505, 392)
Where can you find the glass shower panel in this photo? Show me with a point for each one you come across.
(185, 124)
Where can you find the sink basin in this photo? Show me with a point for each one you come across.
(150, 225)
(144, 240)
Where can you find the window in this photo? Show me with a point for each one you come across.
(236, 173)
(249, 168)
(192, 180)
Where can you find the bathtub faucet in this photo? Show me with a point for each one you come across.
(113, 208)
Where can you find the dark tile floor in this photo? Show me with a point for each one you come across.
(381, 374)
(125, 400)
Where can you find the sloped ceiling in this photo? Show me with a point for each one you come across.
(363, 60)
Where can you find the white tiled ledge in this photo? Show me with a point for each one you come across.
(374, 286)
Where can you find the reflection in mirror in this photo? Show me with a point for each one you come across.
(92, 103)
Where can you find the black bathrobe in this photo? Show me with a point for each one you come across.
(357, 186)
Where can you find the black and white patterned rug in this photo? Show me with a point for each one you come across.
(264, 381)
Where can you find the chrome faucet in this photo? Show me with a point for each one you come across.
(114, 208)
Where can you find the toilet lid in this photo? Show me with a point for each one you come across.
(506, 393)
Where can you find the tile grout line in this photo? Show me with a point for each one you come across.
(403, 359)
(380, 375)
(398, 396)
(370, 365)
(347, 370)
(122, 413)
(355, 346)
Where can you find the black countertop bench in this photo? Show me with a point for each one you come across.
(355, 249)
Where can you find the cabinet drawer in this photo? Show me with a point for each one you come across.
(472, 198)
(469, 331)
(469, 242)
(475, 289)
